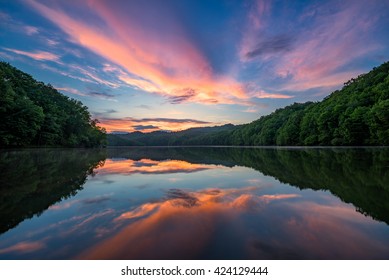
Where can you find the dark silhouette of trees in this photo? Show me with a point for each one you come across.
(35, 114)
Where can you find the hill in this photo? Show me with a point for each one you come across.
(192, 136)
(358, 114)
(35, 114)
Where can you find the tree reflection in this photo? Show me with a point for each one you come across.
(32, 180)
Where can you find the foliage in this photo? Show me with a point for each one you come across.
(35, 114)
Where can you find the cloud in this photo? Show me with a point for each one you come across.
(147, 107)
(255, 91)
(104, 114)
(171, 120)
(145, 127)
(31, 30)
(256, 22)
(96, 200)
(23, 247)
(273, 45)
(66, 73)
(37, 55)
(103, 95)
(163, 65)
(52, 42)
(100, 95)
(4, 17)
(187, 221)
(262, 94)
(129, 124)
(317, 50)
(90, 72)
(5, 55)
(183, 95)
(18, 26)
(147, 166)
(251, 110)
(257, 12)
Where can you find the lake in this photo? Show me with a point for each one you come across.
(194, 203)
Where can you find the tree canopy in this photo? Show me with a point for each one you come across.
(35, 114)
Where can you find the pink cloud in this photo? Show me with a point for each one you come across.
(263, 94)
(256, 23)
(154, 64)
(31, 30)
(318, 48)
(334, 41)
(37, 55)
(186, 222)
(23, 247)
(146, 166)
(91, 73)
(129, 124)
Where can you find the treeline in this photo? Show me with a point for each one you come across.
(35, 114)
(192, 136)
(358, 114)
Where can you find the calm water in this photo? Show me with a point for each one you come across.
(195, 203)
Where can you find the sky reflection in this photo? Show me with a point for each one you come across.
(166, 207)
(148, 166)
(190, 225)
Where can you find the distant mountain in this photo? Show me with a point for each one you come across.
(35, 114)
(358, 114)
(192, 136)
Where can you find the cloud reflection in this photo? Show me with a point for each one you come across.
(23, 247)
(180, 226)
(147, 166)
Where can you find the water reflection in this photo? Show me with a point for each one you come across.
(32, 180)
(357, 176)
(195, 203)
(238, 224)
(147, 166)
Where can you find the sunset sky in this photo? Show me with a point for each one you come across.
(174, 64)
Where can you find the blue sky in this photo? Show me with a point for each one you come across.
(171, 65)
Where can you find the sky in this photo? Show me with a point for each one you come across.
(174, 64)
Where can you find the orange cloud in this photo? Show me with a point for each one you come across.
(151, 124)
(187, 224)
(171, 66)
(181, 227)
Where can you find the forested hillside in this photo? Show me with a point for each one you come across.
(358, 114)
(192, 136)
(35, 114)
